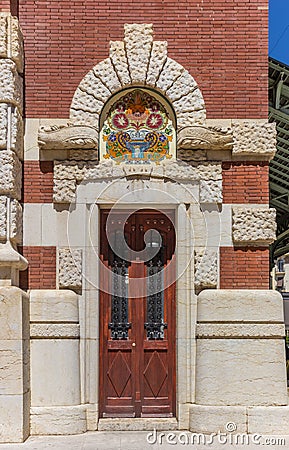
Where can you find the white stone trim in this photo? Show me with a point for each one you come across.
(232, 331)
(54, 330)
(57, 420)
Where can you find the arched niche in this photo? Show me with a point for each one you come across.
(137, 125)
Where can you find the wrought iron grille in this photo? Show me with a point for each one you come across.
(119, 324)
(155, 325)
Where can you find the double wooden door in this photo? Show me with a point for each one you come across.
(137, 314)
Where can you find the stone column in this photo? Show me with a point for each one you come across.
(14, 306)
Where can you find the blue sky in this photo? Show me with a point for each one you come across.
(279, 30)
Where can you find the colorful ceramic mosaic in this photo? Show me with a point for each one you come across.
(137, 129)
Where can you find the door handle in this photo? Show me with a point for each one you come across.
(133, 344)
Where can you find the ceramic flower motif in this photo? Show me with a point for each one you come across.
(137, 129)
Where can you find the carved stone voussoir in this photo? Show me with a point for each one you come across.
(58, 137)
(253, 138)
(70, 268)
(253, 226)
(206, 268)
(204, 138)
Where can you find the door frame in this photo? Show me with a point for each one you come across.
(186, 299)
(169, 340)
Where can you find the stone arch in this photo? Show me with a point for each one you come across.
(138, 61)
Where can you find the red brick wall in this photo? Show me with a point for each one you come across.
(41, 272)
(223, 43)
(245, 182)
(244, 268)
(37, 182)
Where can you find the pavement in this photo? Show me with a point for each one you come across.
(143, 440)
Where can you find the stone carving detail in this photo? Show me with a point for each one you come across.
(69, 173)
(233, 331)
(204, 138)
(253, 226)
(54, 330)
(138, 60)
(206, 268)
(11, 41)
(70, 268)
(253, 138)
(15, 232)
(11, 140)
(67, 137)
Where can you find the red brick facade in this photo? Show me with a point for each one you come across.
(223, 44)
(37, 182)
(244, 268)
(41, 272)
(245, 182)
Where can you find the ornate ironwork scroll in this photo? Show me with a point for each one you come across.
(155, 325)
(119, 324)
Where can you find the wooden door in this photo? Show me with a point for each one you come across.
(137, 315)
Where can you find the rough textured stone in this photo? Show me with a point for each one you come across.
(242, 305)
(119, 61)
(254, 225)
(138, 40)
(211, 191)
(53, 306)
(253, 138)
(182, 86)
(193, 101)
(70, 268)
(11, 41)
(10, 83)
(106, 73)
(87, 102)
(171, 71)
(64, 190)
(94, 86)
(54, 330)
(10, 174)
(3, 218)
(15, 221)
(157, 61)
(206, 268)
(232, 331)
(58, 420)
(258, 365)
(67, 137)
(11, 129)
(83, 117)
(185, 119)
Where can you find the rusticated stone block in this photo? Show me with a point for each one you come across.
(254, 226)
(119, 60)
(11, 129)
(157, 60)
(138, 40)
(105, 72)
(206, 268)
(70, 268)
(211, 191)
(171, 71)
(15, 220)
(182, 86)
(10, 174)
(193, 101)
(10, 83)
(253, 138)
(11, 41)
(93, 86)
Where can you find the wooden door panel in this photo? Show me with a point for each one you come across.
(137, 372)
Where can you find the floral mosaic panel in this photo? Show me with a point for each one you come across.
(138, 128)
